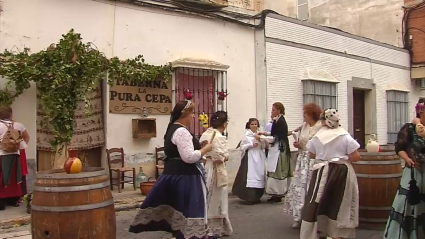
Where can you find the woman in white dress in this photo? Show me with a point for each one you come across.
(294, 200)
(216, 177)
(250, 180)
(332, 202)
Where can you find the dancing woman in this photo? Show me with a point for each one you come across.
(407, 215)
(279, 167)
(217, 180)
(331, 205)
(294, 201)
(250, 180)
(177, 201)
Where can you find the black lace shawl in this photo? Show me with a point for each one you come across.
(410, 142)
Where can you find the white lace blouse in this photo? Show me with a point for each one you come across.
(183, 140)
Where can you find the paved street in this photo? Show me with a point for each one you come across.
(263, 221)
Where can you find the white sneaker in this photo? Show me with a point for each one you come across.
(296, 225)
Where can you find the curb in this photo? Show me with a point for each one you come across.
(25, 220)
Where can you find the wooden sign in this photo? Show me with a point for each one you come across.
(127, 97)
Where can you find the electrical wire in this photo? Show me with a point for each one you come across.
(212, 13)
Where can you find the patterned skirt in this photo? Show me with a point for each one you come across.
(295, 198)
(407, 221)
(176, 204)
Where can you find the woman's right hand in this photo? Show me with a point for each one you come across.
(297, 144)
(410, 162)
(255, 144)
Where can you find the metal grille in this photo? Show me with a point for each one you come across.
(205, 86)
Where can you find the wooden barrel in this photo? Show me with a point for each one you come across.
(378, 176)
(73, 205)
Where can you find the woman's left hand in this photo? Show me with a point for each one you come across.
(203, 143)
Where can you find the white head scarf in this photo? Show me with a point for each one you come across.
(331, 118)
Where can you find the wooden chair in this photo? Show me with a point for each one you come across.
(119, 170)
(159, 159)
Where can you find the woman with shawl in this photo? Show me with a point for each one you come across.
(177, 201)
(294, 201)
(407, 217)
(331, 206)
(279, 167)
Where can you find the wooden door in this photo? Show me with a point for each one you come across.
(359, 116)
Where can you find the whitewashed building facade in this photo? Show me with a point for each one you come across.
(282, 61)
(367, 81)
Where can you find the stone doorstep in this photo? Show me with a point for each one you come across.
(122, 204)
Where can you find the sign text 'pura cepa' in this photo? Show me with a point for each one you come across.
(129, 97)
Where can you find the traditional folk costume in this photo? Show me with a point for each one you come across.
(250, 180)
(11, 169)
(407, 217)
(268, 129)
(217, 180)
(279, 166)
(294, 201)
(331, 206)
(177, 201)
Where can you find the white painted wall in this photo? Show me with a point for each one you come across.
(164, 37)
(125, 30)
(286, 65)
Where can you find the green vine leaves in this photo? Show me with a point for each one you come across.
(64, 74)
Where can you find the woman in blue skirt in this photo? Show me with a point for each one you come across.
(177, 201)
(407, 217)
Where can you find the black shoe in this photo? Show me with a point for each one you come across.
(274, 199)
(2, 207)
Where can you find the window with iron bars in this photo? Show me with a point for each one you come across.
(205, 86)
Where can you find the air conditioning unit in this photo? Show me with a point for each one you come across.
(420, 83)
(203, 4)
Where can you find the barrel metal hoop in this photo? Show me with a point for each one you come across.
(394, 175)
(380, 154)
(72, 188)
(375, 208)
(378, 162)
(69, 176)
(375, 220)
(72, 208)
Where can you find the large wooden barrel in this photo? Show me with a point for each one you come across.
(73, 205)
(378, 176)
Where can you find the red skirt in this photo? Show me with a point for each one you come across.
(24, 167)
(14, 189)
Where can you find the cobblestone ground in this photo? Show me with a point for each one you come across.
(263, 221)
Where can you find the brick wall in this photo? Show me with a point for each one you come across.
(417, 31)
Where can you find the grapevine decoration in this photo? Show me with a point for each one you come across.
(203, 118)
(188, 95)
(66, 73)
(221, 96)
